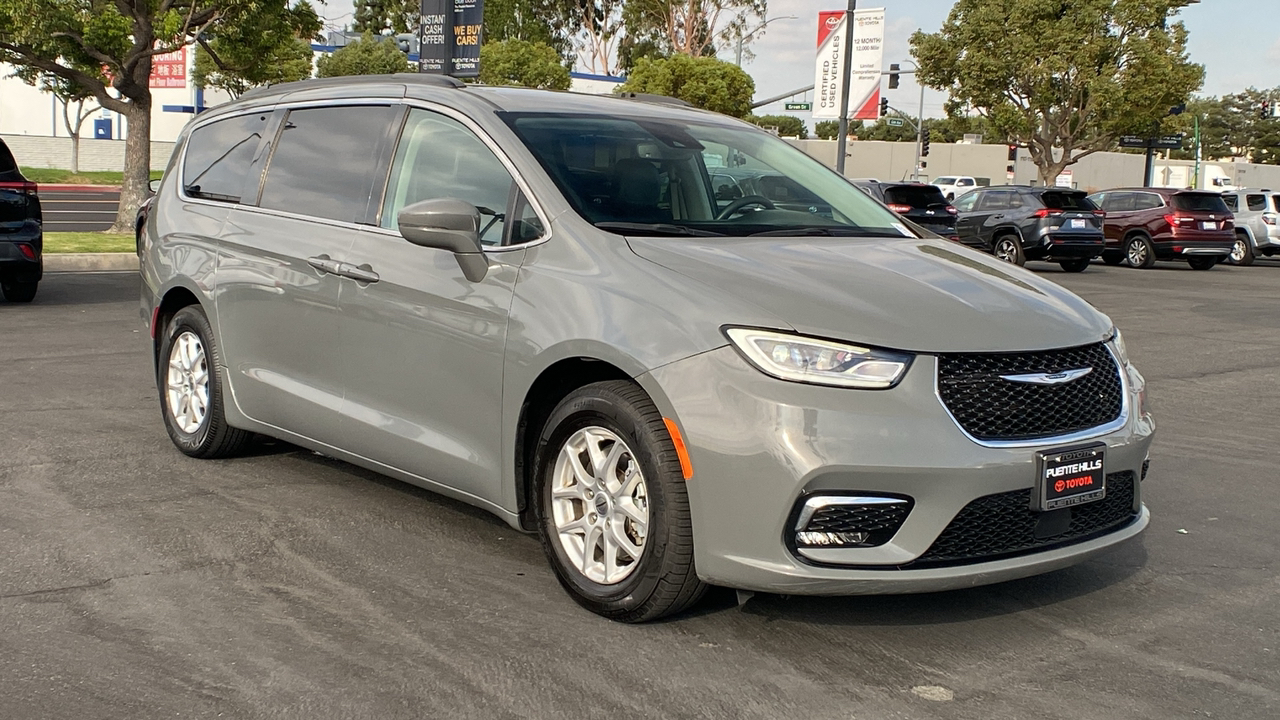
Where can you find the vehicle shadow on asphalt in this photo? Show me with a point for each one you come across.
(60, 289)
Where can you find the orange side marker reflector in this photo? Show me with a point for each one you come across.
(686, 467)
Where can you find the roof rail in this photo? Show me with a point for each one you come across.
(651, 98)
(418, 78)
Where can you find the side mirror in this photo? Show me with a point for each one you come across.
(154, 186)
(447, 224)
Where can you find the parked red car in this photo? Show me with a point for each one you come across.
(1144, 225)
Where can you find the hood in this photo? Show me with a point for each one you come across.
(909, 294)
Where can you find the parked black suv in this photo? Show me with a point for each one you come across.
(922, 204)
(1017, 224)
(21, 236)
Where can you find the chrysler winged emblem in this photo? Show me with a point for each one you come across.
(1057, 378)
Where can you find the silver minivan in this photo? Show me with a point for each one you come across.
(537, 303)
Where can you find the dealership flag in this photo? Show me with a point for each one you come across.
(868, 53)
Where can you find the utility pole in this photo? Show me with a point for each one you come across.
(845, 81)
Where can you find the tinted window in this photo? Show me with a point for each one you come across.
(1275, 202)
(994, 201)
(438, 157)
(965, 203)
(1067, 201)
(918, 196)
(7, 163)
(1256, 202)
(1199, 202)
(1147, 201)
(324, 162)
(219, 155)
(1232, 201)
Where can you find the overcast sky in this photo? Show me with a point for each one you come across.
(1238, 42)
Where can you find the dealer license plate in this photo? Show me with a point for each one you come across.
(1078, 224)
(1209, 225)
(1069, 476)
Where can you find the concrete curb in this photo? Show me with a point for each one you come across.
(90, 262)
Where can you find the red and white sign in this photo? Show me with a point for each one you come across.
(868, 56)
(169, 70)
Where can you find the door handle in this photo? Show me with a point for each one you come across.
(324, 263)
(363, 273)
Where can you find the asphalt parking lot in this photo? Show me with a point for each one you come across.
(138, 583)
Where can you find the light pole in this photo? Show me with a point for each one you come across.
(737, 56)
(842, 138)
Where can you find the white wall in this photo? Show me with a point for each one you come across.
(50, 152)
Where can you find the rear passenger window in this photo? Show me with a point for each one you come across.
(1256, 202)
(1232, 201)
(994, 201)
(219, 155)
(324, 161)
(439, 157)
(1147, 201)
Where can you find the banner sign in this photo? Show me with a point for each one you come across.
(169, 70)
(868, 56)
(449, 37)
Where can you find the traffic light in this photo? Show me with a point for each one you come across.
(884, 107)
(893, 76)
(924, 142)
(1265, 112)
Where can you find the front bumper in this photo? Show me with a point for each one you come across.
(757, 445)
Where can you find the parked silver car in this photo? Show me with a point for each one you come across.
(1257, 214)
(533, 302)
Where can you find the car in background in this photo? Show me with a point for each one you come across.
(762, 189)
(1017, 224)
(922, 204)
(21, 232)
(1256, 211)
(1144, 225)
(953, 186)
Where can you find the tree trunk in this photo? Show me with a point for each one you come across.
(75, 152)
(137, 165)
(1049, 172)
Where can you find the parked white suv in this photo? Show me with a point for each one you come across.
(1257, 220)
(953, 187)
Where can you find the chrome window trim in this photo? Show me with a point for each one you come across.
(1087, 434)
(409, 102)
(820, 502)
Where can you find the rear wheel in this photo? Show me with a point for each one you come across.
(1202, 263)
(22, 292)
(1139, 252)
(1242, 251)
(1074, 266)
(612, 508)
(1008, 249)
(191, 390)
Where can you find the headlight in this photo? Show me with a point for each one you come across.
(1117, 343)
(820, 362)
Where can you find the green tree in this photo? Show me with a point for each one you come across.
(382, 17)
(108, 45)
(1063, 79)
(518, 62)
(787, 125)
(76, 107)
(290, 61)
(702, 82)
(237, 57)
(691, 27)
(367, 56)
(548, 22)
(828, 129)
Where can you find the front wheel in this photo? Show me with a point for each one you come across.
(1242, 251)
(1008, 249)
(1074, 266)
(191, 390)
(612, 509)
(23, 292)
(1202, 263)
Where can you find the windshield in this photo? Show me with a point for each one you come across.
(1199, 202)
(637, 176)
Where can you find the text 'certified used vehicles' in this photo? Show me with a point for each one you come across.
(21, 232)
(1017, 224)
(1144, 225)
(536, 303)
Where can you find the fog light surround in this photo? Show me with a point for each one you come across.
(846, 521)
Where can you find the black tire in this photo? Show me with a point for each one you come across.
(1009, 249)
(213, 437)
(1074, 266)
(664, 580)
(23, 292)
(1112, 258)
(1202, 263)
(1242, 252)
(1139, 252)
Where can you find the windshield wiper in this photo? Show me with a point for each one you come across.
(816, 230)
(656, 229)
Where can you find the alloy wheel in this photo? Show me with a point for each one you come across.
(188, 382)
(1237, 251)
(1137, 253)
(1005, 250)
(599, 505)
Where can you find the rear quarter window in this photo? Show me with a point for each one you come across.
(1256, 202)
(1199, 202)
(7, 163)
